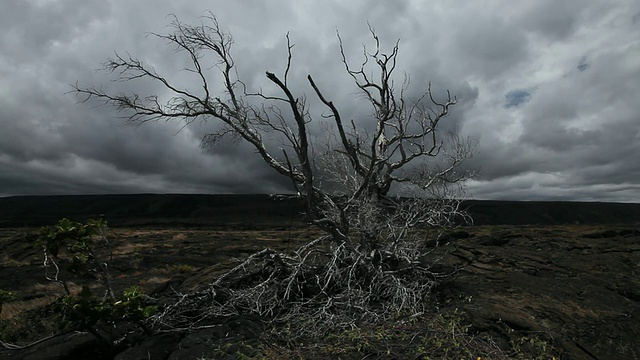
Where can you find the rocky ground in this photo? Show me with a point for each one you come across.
(580, 285)
(577, 287)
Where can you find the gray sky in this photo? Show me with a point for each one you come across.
(550, 89)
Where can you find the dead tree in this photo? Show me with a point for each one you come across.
(354, 182)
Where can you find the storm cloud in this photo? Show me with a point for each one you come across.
(550, 90)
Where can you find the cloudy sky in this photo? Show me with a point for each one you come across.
(550, 89)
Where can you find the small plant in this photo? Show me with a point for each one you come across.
(72, 244)
(448, 337)
(6, 296)
(532, 348)
(70, 247)
(84, 312)
(434, 336)
(182, 269)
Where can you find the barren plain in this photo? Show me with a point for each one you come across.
(573, 287)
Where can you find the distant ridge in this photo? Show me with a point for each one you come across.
(490, 212)
(261, 209)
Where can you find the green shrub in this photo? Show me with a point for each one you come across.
(69, 251)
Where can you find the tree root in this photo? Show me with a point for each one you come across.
(320, 287)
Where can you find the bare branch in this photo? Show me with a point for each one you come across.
(370, 186)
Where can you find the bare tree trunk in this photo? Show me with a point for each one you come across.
(352, 187)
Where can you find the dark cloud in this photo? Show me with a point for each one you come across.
(548, 89)
(553, 19)
(488, 47)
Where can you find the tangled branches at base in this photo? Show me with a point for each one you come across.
(320, 287)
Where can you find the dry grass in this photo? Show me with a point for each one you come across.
(131, 248)
(179, 237)
(13, 309)
(45, 295)
(152, 281)
(210, 252)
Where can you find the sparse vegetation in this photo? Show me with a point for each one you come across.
(70, 252)
(430, 337)
(29, 326)
(181, 269)
(68, 249)
(506, 310)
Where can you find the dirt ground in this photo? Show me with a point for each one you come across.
(576, 285)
